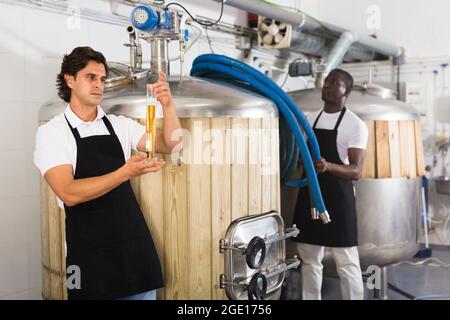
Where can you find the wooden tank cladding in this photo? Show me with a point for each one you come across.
(188, 206)
(394, 150)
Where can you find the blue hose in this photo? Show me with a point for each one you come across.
(240, 74)
(227, 61)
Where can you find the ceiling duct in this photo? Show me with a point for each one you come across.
(309, 36)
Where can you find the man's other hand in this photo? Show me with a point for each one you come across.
(321, 165)
(138, 165)
(162, 92)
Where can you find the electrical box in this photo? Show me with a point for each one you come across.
(415, 94)
(300, 69)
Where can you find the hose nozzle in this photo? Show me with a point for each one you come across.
(314, 214)
(325, 217)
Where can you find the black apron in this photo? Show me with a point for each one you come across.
(338, 196)
(108, 238)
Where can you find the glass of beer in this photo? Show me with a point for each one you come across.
(150, 123)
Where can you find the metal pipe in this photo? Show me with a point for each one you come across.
(133, 46)
(338, 51)
(335, 56)
(365, 40)
(308, 24)
(267, 10)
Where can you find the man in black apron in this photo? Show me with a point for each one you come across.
(107, 237)
(342, 139)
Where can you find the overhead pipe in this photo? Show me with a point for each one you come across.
(338, 51)
(306, 24)
(379, 46)
(335, 56)
(267, 10)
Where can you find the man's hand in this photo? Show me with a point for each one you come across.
(138, 165)
(161, 90)
(321, 165)
(351, 171)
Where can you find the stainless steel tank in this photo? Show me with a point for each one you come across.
(193, 98)
(388, 210)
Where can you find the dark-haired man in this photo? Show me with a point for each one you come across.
(85, 156)
(342, 139)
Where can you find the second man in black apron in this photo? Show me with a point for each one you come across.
(342, 139)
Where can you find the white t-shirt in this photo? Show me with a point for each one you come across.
(352, 132)
(56, 145)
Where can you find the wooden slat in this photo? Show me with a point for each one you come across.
(220, 200)
(369, 169)
(62, 246)
(394, 149)
(254, 170)
(176, 242)
(45, 252)
(199, 215)
(54, 231)
(412, 151)
(404, 150)
(265, 159)
(239, 168)
(275, 176)
(382, 149)
(419, 149)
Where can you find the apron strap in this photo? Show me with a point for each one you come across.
(340, 118)
(74, 131)
(105, 121)
(317, 119)
(108, 125)
(338, 121)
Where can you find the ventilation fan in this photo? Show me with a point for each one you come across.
(273, 33)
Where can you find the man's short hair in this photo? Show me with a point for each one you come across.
(348, 79)
(74, 62)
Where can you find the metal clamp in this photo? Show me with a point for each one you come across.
(325, 217)
(314, 214)
(290, 232)
(257, 285)
(281, 268)
(224, 283)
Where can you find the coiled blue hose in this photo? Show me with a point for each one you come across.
(240, 74)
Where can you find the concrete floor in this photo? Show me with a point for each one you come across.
(419, 282)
